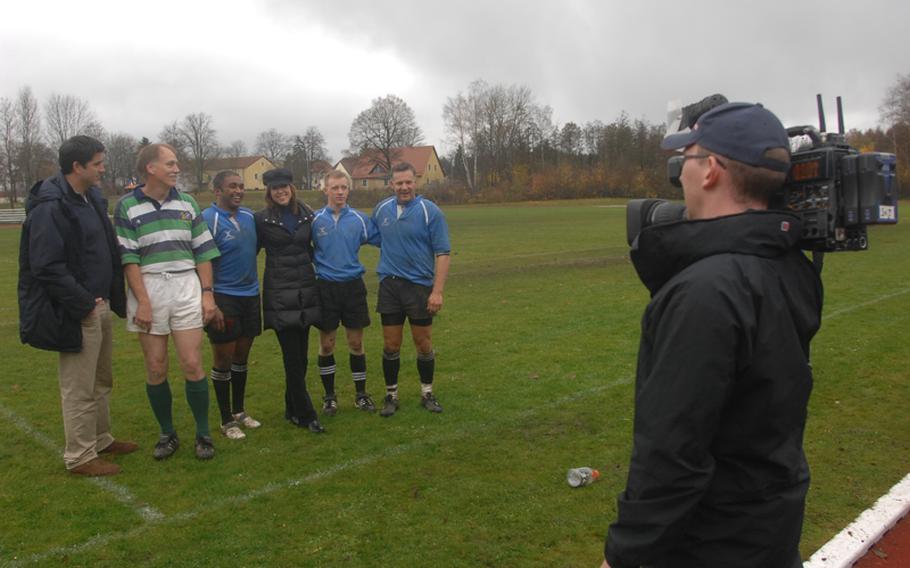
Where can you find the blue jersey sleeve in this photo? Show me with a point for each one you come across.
(439, 232)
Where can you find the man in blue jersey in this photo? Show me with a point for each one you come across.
(238, 318)
(338, 233)
(413, 267)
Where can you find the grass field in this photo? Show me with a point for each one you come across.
(536, 353)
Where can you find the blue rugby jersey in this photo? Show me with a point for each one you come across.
(411, 243)
(235, 270)
(337, 243)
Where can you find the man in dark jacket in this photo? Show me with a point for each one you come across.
(69, 283)
(718, 476)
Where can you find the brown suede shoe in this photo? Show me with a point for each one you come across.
(95, 468)
(119, 448)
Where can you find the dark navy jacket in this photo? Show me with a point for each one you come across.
(718, 476)
(53, 299)
(290, 299)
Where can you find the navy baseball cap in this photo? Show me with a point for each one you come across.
(739, 131)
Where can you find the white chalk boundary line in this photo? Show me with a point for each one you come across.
(852, 543)
(119, 492)
(855, 307)
(102, 540)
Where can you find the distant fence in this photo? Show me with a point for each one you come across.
(12, 216)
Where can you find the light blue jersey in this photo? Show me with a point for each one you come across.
(411, 242)
(337, 243)
(235, 270)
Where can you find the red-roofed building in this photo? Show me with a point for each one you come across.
(369, 172)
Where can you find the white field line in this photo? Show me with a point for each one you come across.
(852, 543)
(119, 492)
(855, 307)
(102, 540)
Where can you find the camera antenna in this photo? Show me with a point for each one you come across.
(821, 113)
(840, 116)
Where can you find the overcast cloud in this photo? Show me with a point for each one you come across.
(285, 64)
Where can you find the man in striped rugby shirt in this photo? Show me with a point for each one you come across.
(166, 250)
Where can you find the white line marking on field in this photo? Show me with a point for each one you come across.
(855, 307)
(852, 543)
(119, 492)
(102, 540)
(610, 206)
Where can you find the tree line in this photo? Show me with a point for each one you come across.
(505, 145)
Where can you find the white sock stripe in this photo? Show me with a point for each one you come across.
(220, 375)
(238, 368)
(327, 370)
(359, 376)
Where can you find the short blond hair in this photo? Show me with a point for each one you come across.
(335, 174)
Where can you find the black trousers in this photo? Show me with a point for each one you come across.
(297, 401)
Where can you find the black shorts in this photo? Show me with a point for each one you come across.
(242, 318)
(345, 303)
(399, 298)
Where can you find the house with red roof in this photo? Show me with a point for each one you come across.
(368, 171)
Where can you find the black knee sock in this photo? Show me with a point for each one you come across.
(426, 364)
(326, 364)
(390, 365)
(359, 372)
(221, 382)
(238, 385)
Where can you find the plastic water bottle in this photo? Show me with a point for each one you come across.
(581, 476)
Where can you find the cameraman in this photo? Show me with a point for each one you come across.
(718, 477)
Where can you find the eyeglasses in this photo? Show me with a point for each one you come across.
(700, 157)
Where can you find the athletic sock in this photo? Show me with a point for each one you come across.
(221, 383)
(197, 395)
(426, 364)
(161, 401)
(238, 386)
(359, 372)
(326, 364)
(390, 365)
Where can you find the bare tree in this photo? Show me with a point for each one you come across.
(28, 131)
(273, 145)
(237, 149)
(8, 147)
(389, 123)
(895, 109)
(306, 150)
(120, 159)
(460, 119)
(195, 141)
(67, 116)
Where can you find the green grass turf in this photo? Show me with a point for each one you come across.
(536, 351)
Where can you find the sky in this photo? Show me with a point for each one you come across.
(290, 64)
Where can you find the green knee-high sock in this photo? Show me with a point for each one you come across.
(197, 395)
(160, 400)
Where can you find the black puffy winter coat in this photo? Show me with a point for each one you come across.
(53, 300)
(290, 298)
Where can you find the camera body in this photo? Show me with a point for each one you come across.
(835, 190)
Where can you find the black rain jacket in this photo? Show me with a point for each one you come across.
(52, 298)
(718, 476)
(290, 298)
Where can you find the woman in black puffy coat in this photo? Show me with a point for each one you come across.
(290, 299)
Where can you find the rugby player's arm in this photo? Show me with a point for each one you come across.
(143, 315)
(210, 311)
(441, 273)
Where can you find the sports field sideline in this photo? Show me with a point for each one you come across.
(536, 357)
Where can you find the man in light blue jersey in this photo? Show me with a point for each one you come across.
(166, 251)
(338, 233)
(236, 298)
(413, 267)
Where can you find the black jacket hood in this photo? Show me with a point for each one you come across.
(663, 250)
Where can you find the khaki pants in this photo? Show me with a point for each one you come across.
(86, 379)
